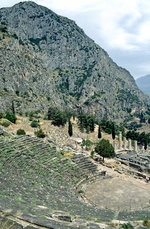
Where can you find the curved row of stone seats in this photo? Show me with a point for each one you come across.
(84, 163)
(38, 183)
(31, 178)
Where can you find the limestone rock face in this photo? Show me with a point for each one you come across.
(46, 59)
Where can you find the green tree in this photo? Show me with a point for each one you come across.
(113, 131)
(86, 121)
(145, 143)
(59, 118)
(11, 117)
(142, 118)
(105, 149)
(70, 132)
(13, 108)
(99, 132)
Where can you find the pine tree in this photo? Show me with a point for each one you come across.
(70, 132)
(99, 132)
(113, 131)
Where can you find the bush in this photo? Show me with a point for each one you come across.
(1, 115)
(5, 122)
(21, 132)
(11, 117)
(80, 191)
(105, 149)
(127, 226)
(34, 124)
(92, 154)
(87, 142)
(40, 134)
(146, 223)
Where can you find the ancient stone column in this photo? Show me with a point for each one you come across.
(129, 142)
(147, 150)
(143, 150)
(135, 146)
(124, 143)
(120, 140)
(115, 145)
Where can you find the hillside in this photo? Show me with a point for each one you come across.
(48, 60)
(144, 84)
(44, 182)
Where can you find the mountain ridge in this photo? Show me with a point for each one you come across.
(52, 62)
(144, 84)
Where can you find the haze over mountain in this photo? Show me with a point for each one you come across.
(47, 60)
(144, 84)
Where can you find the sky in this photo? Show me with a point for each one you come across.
(121, 27)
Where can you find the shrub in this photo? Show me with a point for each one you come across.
(1, 115)
(146, 223)
(34, 124)
(21, 132)
(92, 154)
(30, 118)
(5, 122)
(40, 134)
(87, 142)
(26, 113)
(127, 226)
(11, 117)
(80, 191)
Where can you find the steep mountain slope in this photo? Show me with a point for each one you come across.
(144, 84)
(48, 60)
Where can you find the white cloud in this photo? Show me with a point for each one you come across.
(118, 24)
(68, 5)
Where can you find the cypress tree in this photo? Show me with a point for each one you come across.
(99, 132)
(70, 132)
(113, 131)
(13, 108)
(145, 144)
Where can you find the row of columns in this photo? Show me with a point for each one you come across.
(125, 144)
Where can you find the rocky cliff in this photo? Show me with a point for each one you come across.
(46, 59)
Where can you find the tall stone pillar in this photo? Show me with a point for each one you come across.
(143, 150)
(129, 142)
(135, 146)
(120, 140)
(115, 145)
(124, 143)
